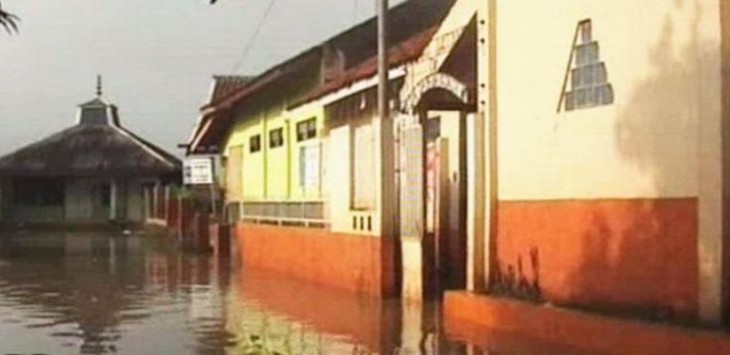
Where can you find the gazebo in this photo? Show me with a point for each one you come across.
(92, 172)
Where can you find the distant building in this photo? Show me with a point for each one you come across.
(91, 172)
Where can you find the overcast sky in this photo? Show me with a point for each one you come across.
(156, 57)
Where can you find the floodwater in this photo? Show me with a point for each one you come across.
(98, 294)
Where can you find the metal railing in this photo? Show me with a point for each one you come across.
(309, 214)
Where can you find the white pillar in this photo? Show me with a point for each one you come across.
(476, 221)
(714, 166)
(412, 210)
(155, 200)
(113, 199)
(481, 157)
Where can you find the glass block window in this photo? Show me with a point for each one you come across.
(588, 77)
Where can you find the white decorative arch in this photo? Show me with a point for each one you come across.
(411, 98)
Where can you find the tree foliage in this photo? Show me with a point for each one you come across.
(8, 20)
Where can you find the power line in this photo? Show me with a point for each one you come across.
(355, 8)
(254, 36)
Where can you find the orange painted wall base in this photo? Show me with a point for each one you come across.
(353, 263)
(470, 316)
(623, 255)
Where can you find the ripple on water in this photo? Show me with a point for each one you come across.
(152, 300)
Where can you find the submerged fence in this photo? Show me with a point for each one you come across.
(186, 217)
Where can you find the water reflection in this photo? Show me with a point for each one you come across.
(97, 294)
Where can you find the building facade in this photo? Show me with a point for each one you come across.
(578, 159)
(91, 173)
(288, 165)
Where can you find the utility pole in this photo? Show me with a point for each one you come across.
(383, 67)
(386, 192)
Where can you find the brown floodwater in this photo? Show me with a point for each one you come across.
(105, 293)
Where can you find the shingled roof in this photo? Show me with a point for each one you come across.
(96, 146)
(225, 85)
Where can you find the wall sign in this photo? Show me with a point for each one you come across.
(198, 171)
(434, 81)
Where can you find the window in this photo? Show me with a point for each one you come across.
(234, 176)
(309, 167)
(276, 138)
(39, 192)
(102, 195)
(254, 144)
(363, 168)
(307, 129)
(587, 76)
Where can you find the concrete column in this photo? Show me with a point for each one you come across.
(482, 155)
(714, 191)
(166, 203)
(155, 200)
(113, 199)
(412, 211)
(475, 211)
(147, 200)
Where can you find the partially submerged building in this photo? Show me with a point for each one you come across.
(579, 159)
(287, 183)
(91, 172)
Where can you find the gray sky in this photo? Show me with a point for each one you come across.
(156, 57)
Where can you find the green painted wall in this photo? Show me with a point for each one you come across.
(277, 161)
(298, 191)
(272, 173)
(252, 162)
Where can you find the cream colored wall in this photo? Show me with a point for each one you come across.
(661, 137)
(338, 179)
(662, 59)
(337, 186)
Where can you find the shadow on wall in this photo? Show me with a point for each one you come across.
(628, 256)
(640, 257)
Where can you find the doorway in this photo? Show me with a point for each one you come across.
(446, 197)
(101, 201)
(433, 168)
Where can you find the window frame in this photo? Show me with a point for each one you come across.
(306, 129)
(254, 144)
(587, 74)
(276, 138)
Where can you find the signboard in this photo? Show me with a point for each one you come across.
(198, 171)
(443, 81)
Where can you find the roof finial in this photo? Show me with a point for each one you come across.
(98, 85)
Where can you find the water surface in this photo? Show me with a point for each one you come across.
(107, 293)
